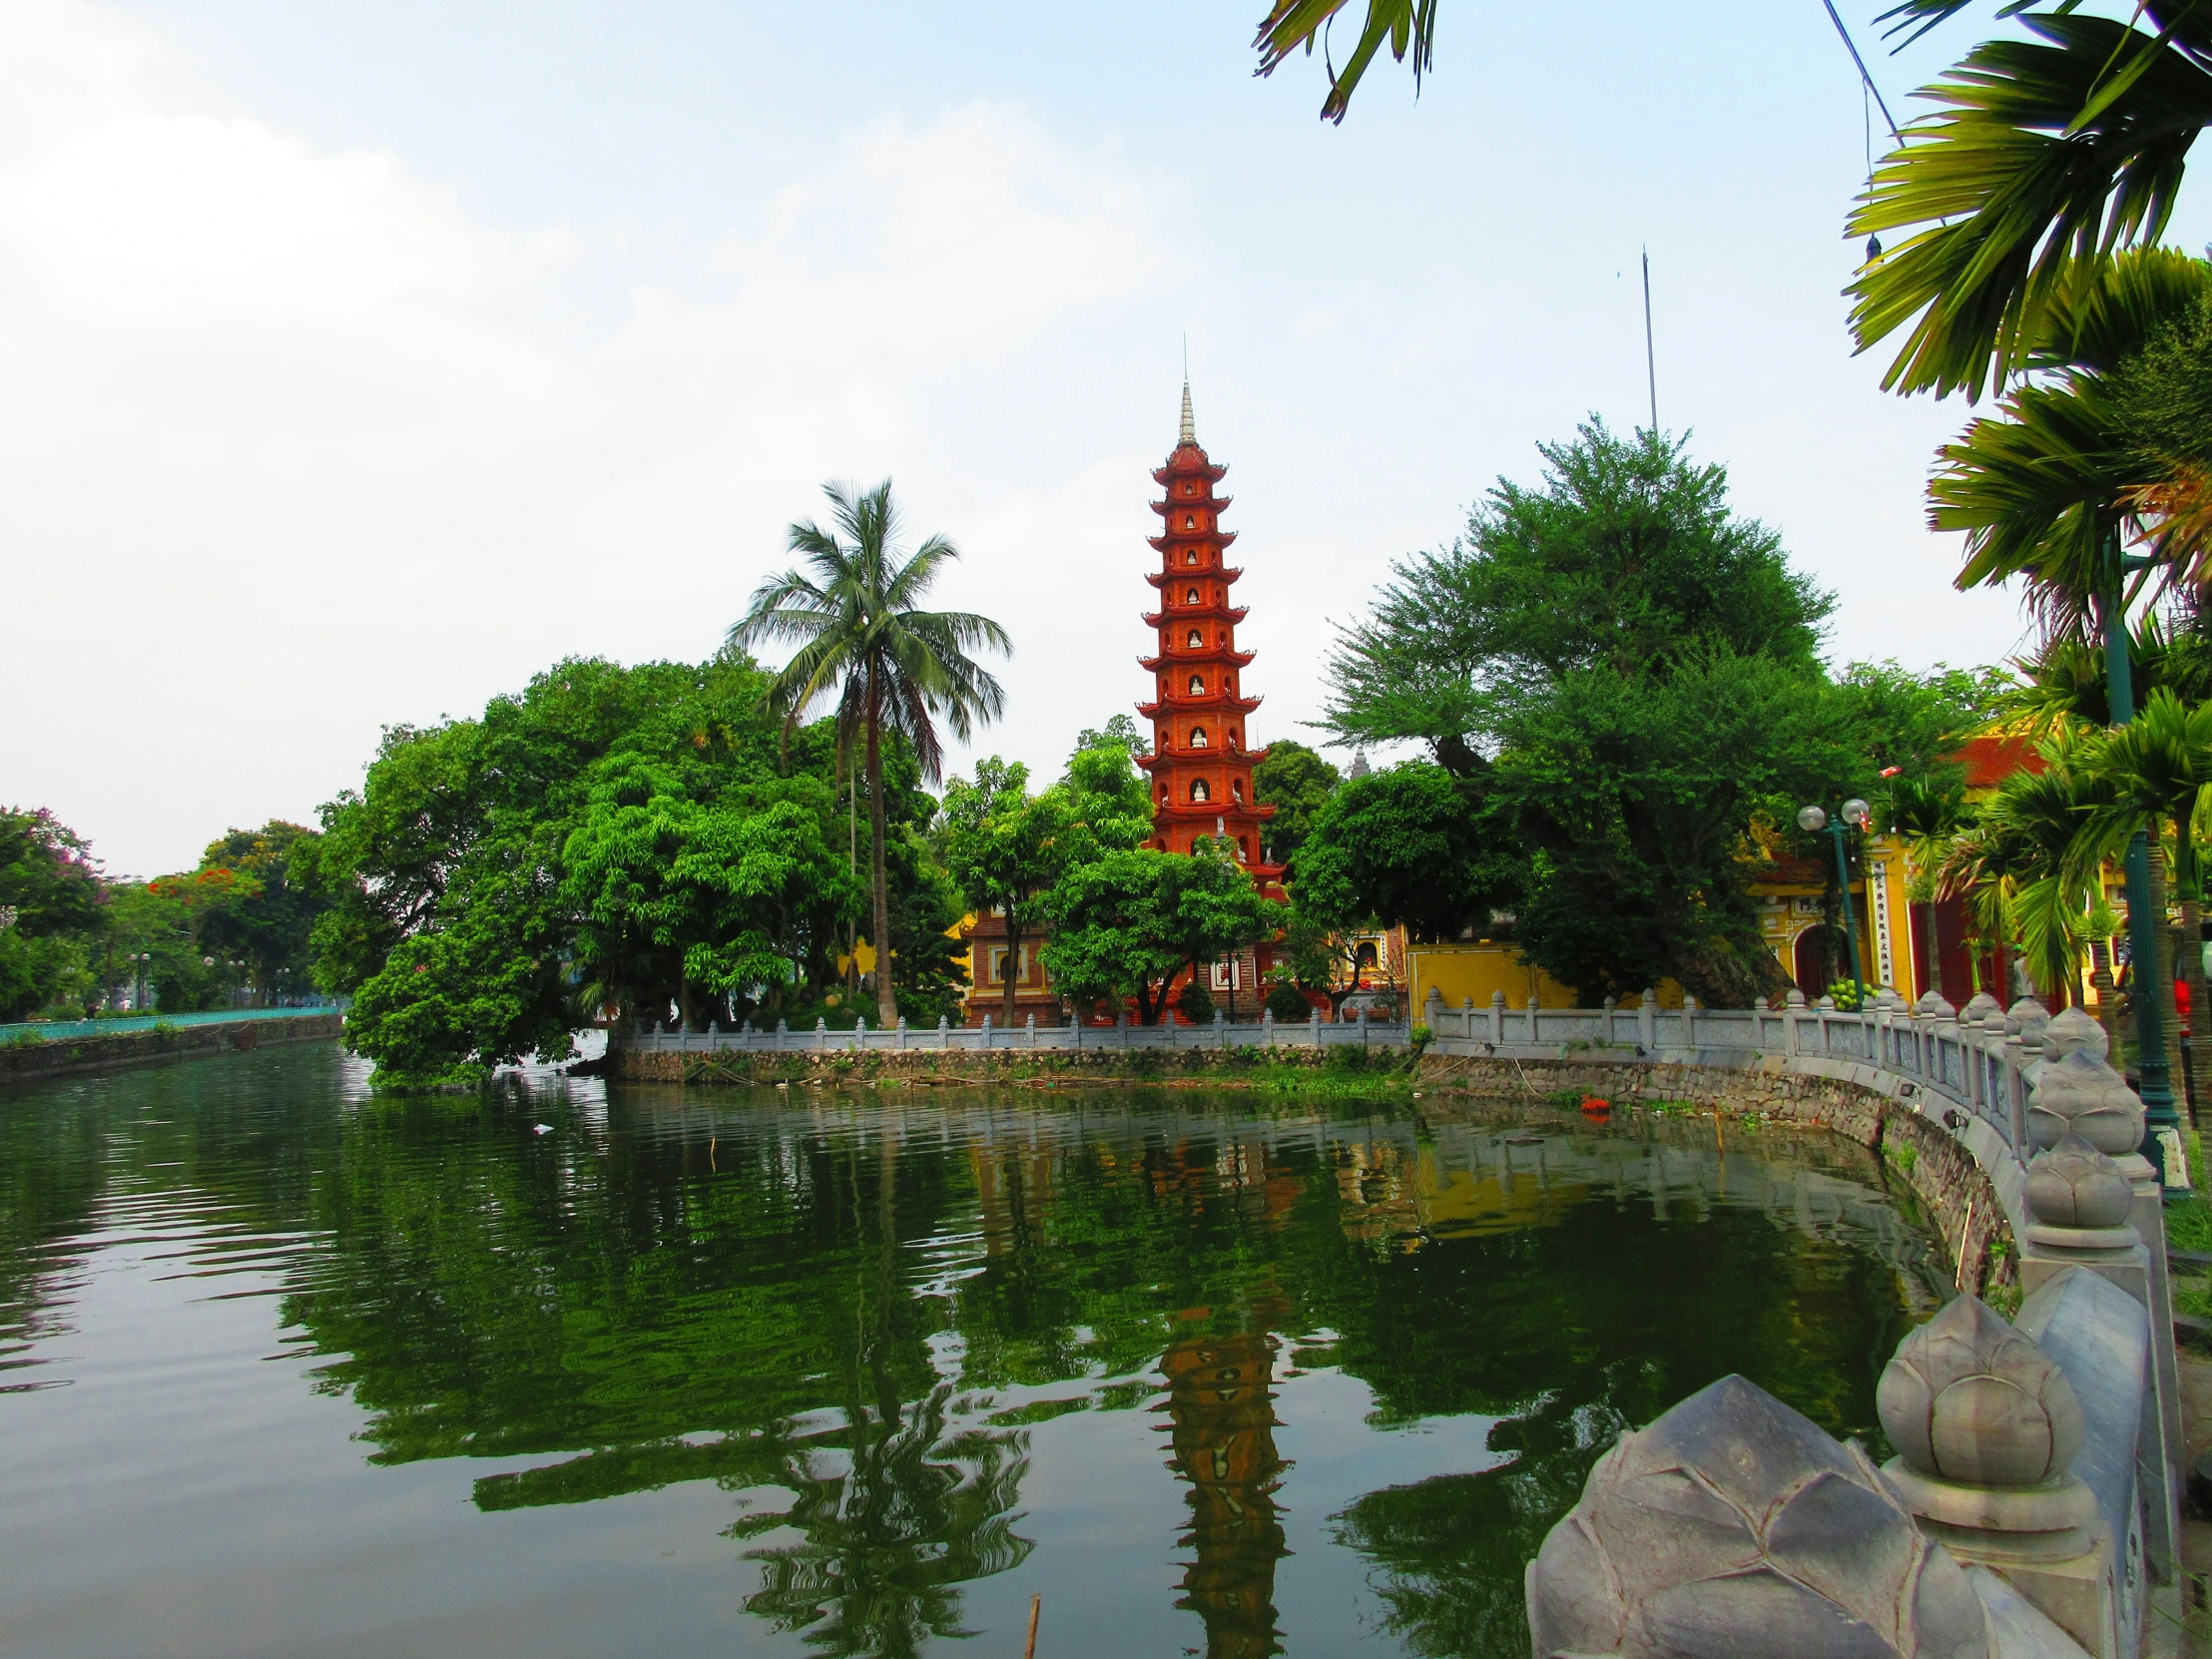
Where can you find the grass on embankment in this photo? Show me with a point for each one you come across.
(1281, 1071)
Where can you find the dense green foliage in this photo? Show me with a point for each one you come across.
(1125, 924)
(50, 899)
(1296, 782)
(610, 838)
(1619, 683)
(232, 931)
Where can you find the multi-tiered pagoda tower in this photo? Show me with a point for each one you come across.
(1200, 763)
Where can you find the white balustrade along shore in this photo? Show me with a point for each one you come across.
(1979, 1058)
(968, 1039)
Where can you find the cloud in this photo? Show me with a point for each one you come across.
(297, 444)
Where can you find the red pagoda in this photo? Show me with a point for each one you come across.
(1201, 768)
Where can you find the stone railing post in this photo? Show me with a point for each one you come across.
(1647, 1017)
(1432, 1010)
(1267, 1027)
(1466, 1018)
(987, 1031)
(860, 1034)
(1793, 1011)
(1534, 1035)
(1314, 1024)
(1689, 1022)
(2082, 1096)
(821, 1036)
(1031, 1024)
(783, 1035)
(1497, 1016)
(1986, 1426)
(944, 1031)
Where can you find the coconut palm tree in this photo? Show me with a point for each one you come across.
(893, 669)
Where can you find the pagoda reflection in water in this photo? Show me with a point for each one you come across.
(1221, 1406)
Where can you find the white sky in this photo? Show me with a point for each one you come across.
(363, 360)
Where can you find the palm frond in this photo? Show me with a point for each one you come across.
(1408, 27)
(2011, 183)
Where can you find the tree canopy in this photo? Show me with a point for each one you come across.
(636, 838)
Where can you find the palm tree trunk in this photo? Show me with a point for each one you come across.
(886, 1004)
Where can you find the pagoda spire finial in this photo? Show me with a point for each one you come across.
(1189, 433)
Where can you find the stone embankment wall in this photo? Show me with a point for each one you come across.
(1040, 1067)
(32, 1062)
(1959, 1201)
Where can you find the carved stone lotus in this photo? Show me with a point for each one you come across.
(2026, 1019)
(1932, 1006)
(1968, 1400)
(1731, 1525)
(2074, 1030)
(1979, 1008)
(2082, 1094)
(2075, 1185)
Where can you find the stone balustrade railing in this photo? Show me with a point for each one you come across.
(1265, 1033)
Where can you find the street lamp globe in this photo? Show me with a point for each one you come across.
(1811, 819)
(1855, 814)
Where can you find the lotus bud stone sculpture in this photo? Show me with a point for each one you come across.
(2026, 1019)
(1986, 1428)
(2079, 1198)
(1979, 1008)
(1733, 1525)
(2074, 1030)
(2084, 1095)
(1932, 1006)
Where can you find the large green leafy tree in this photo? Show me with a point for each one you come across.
(1412, 847)
(635, 837)
(892, 668)
(1296, 782)
(269, 924)
(1624, 672)
(51, 897)
(1125, 924)
(1004, 847)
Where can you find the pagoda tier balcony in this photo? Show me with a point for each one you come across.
(1178, 703)
(1185, 573)
(1203, 469)
(1205, 655)
(1230, 614)
(1180, 756)
(1211, 502)
(1235, 811)
(1168, 538)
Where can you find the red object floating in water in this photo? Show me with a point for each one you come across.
(1596, 1105)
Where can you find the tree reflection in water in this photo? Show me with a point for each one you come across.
(893, 1525)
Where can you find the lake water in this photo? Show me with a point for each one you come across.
(592, 1369)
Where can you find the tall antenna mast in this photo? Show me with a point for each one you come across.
(1651, 360)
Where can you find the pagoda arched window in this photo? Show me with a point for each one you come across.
(1232, 738)
(1190, 555)
(1190, 521)
(1198, 684)
(1235, 790)
(1198, 736)
(1199, 790)
(1197, 641)
(1191, 598)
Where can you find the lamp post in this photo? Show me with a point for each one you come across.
(2156, 1088)
(1813, 819)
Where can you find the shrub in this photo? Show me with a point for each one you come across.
(1288, 1002)
(1196, 1003)
(1421, 1037)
